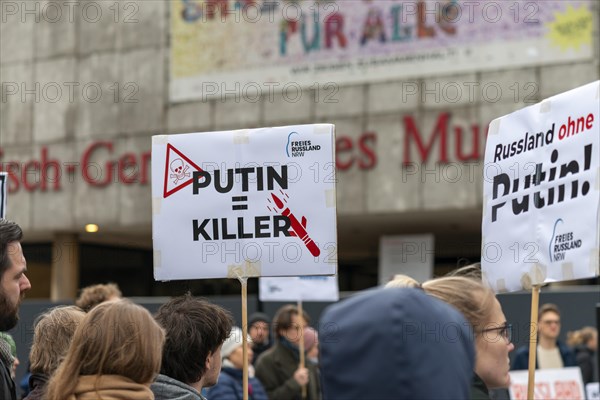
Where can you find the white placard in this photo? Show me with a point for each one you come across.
(550, 384)
(257, 202)
(301, 288)
(410, 255)
(593, 391)
(3, 193)
(541, 193)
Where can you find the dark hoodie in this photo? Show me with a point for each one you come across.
(395, 343)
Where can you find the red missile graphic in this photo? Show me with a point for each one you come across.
(298, 229)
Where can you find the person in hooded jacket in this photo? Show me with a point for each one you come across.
(230, 385)
(394, 343)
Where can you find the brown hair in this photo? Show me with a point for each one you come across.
(548, 307)
(52, 335)
(114, 338)
(581, 337)
(93, 295)
(464, 290)
(9, 232)
(195, 328)
(283, 319)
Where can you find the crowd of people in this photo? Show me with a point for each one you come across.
(447, 338)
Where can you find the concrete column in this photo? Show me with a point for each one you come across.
(65, 267)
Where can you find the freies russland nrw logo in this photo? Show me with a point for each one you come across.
(296, 147)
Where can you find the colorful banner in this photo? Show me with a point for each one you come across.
(258, 47)
(541, 192)
(256, 202)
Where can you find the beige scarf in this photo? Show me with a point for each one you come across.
(110, 387)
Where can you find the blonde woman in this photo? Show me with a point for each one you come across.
(51, 339)
(492, 333)
(585, 344)
(115, 354)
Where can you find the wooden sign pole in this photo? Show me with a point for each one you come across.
(535, 300)
(244, 281)
(301, 342)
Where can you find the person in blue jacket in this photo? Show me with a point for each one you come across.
(395, 343)
(230, 383)
(551, 353)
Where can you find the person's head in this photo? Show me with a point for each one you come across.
(13, 282)
(287, 323)
(196, 330)
(483, 311)
(549, 321)
(114, 338)
(93, 295)
(586, 336)
(311, 344)
(422, 347)
(258, 327)
(12, 348)
(400, 280)
(233, 348)
(52, 336)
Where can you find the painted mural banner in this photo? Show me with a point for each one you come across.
(550, 384)
(541, 193)
(262, 47)
(299, 288)
(3, 193)
(245, 203)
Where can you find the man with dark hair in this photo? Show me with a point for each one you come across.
(195, 332)
(13, 285)
(551, 353)
(279, 367)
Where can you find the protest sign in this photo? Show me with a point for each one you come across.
(302, 288)
(541, 193)
(3, 195)
(550, 384)
(593, 391)
(256, 202)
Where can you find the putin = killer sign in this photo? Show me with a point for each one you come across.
(258, 202)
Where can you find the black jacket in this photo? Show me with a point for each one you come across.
(7, 385)
(585, 359)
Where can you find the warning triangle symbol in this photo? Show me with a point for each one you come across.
(178, 171)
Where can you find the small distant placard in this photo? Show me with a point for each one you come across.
(3, 193)
(550, 384)
(593, 391)
(256, 202)
(302, 288)
(410, 255)
(541, 193)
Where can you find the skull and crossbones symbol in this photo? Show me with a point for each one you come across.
(179, 172)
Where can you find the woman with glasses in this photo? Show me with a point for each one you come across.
(492, 334)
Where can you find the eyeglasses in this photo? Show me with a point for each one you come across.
(551, 321)
(505, 331)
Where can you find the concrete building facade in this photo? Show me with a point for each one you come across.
(85, 85)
